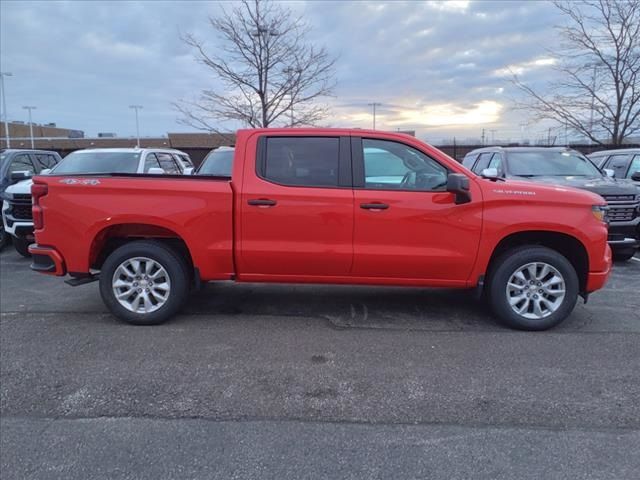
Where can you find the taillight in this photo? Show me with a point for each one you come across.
(38, 190)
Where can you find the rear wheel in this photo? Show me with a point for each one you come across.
(22, 246)
(144, 282)
(532, 288)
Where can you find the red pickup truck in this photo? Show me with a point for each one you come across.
(332, 206)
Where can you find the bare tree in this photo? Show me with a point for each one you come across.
(597, 93)
(271, 74)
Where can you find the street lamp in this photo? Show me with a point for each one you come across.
(30, 125)
(374, 105)
(136, 108)
(4, 107)
(290, 71)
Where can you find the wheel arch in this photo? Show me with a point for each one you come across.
(109, 238)
(567, 245)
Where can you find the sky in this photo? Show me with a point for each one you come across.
(439, 68)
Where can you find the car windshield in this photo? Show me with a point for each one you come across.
(550, 163)
(218, 162)
(87, 161)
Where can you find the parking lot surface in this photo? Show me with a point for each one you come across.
(268, 381)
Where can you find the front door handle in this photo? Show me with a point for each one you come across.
(374, 206)
(262, 202)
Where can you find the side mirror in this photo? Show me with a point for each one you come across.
(490, 173)
(459, 184)
(46, 171)
(188, 171)
(20, 175)
(635, 176)
(609, 173)
(156, 171)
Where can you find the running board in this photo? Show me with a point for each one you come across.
(77, 281)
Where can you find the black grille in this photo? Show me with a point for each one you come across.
(20, 208)
(619, 198)
(22, 212)
(621, 214)
(22, 197)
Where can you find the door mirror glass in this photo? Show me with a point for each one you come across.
(610, 173)
(490, 173)
(459, 185)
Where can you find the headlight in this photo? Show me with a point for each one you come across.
(600, 212)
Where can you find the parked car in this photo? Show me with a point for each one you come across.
(566, 167)
(125, 160)
(16, 212)
(217, 162)
(17, 165)
(330, 206)
(625, 163)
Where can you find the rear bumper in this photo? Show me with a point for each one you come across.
(597, 280)
(47, 260)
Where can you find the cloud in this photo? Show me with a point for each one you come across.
(435, 66)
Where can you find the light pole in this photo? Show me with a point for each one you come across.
(4, 107)
(374, 105)
(290, 71)
(30, 125)
(136, 108)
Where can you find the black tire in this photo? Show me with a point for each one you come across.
(623, 255)
(22, 246)
(507, 264)
(4, 236)
(176, 269)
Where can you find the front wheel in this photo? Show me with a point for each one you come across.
(144, 282)
(532, 288)
(623, 255)
(22, 246)
(4, 236)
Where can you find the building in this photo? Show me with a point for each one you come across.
(21, 130)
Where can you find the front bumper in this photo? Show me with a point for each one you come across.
(597, 280)
(47, 260)
(18, 227)
(624, 236)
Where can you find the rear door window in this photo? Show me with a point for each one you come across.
(302, 161)
(469, 160)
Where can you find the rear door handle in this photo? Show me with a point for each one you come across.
(374, 206)
(262, 202)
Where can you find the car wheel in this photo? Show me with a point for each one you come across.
(22, 246)
(623, 255)
(144, 282)
(4, 237)
(532, 288)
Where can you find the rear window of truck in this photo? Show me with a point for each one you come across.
(98, 162)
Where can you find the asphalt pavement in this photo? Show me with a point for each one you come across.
(270, 381)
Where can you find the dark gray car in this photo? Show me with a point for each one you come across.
(563, 166)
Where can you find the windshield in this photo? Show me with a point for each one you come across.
(87, 161)
(551, 163)
(218, 162)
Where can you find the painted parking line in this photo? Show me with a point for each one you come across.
(636, 259)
